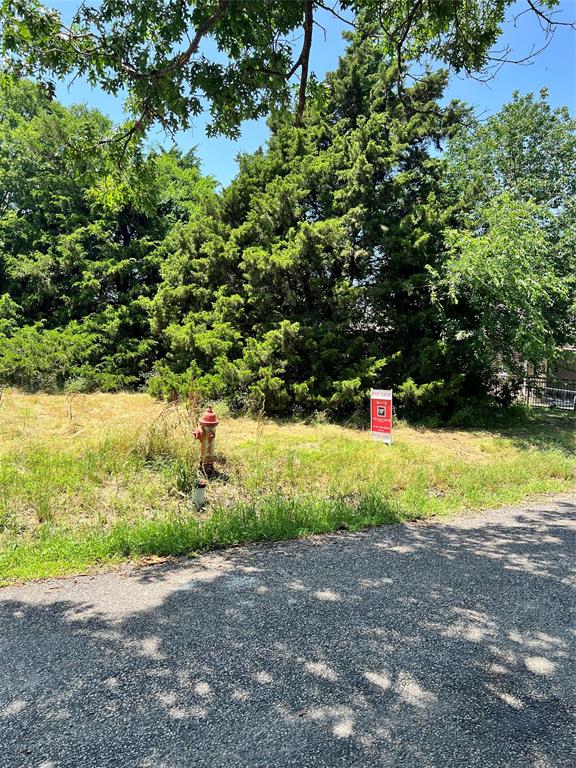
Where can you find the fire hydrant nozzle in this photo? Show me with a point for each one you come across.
(206, 433)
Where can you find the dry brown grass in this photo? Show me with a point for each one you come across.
(88, 462)
(62, 420)
(65, 419)
(91, 477)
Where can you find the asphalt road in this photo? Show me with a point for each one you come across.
(439, 644)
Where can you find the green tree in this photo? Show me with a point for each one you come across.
(311, 282)
(78, 238)
(517, 303)
(235, 55)
(527, 149)
(509, 283)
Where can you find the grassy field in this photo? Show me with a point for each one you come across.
(92, 479)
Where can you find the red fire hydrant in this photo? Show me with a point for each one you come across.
(206, 433)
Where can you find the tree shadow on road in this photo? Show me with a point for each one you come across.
(413, 645)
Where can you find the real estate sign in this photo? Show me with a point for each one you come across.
(381, 415)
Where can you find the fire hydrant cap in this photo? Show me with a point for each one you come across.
(209, 418)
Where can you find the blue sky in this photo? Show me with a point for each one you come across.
(554, 68)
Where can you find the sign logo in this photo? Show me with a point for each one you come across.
(381, 415)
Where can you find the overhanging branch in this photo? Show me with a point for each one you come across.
(304, 58)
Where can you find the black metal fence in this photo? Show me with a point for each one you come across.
(550, 393)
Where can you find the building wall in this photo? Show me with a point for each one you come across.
(565, 369)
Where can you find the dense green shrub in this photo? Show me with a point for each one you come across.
(389, 242)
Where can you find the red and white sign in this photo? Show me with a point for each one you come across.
(381, 415)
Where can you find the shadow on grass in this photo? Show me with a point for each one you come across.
(542, 430)
(546, 430)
